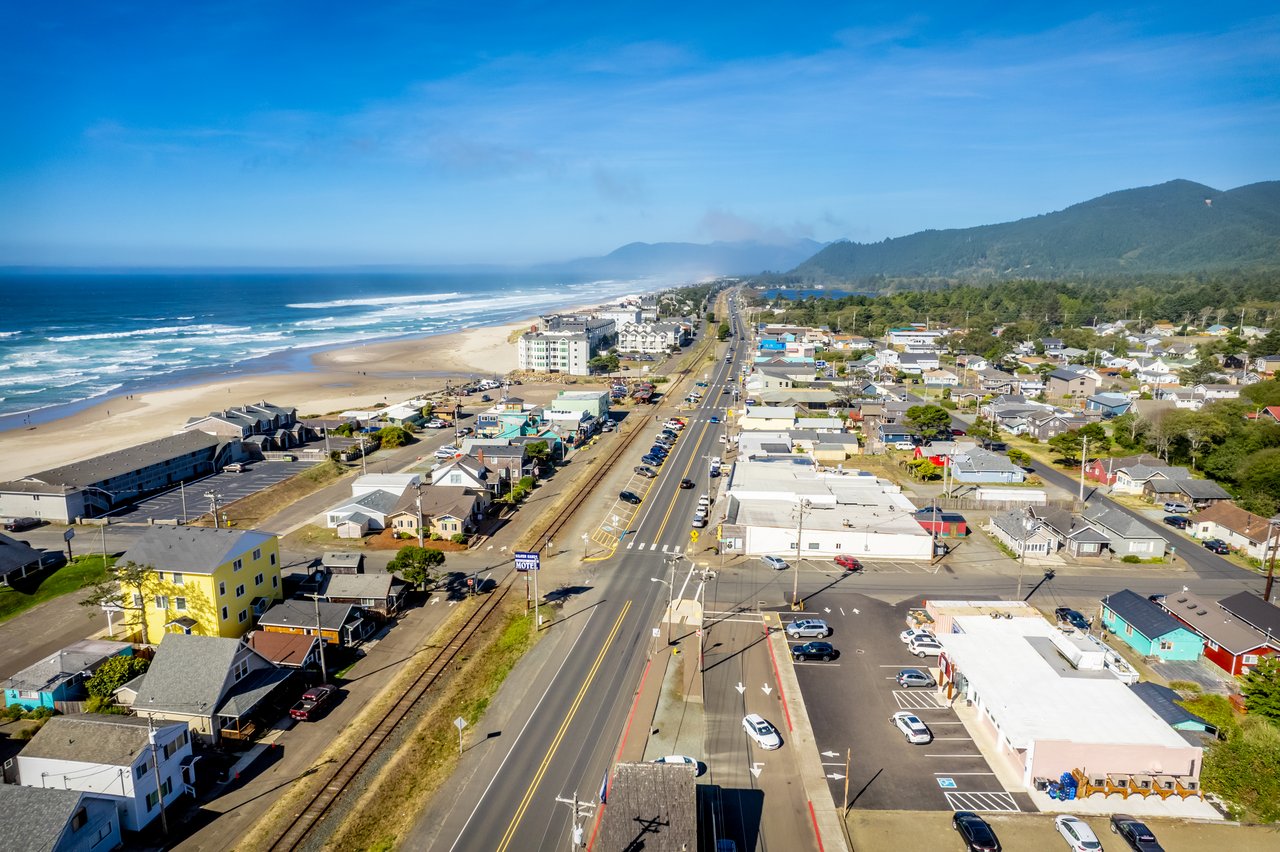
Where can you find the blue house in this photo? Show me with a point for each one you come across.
(1148, 629)
(1110, 404)
(61, 676)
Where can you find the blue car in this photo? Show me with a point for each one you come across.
(656, 450)
(652, 461)
(715, 419)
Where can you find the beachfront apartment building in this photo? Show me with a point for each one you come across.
(555, 352)
(650, 337)
(98, 485)
(205, 582)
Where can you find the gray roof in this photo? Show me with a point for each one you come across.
(342, 559)
(250, 690)
(381, 501)
(1203, 489)
(1142, 472)
(33, 819)
(1066, 375)
(46, 675)
(1255, 612)
(1163, 700)
(1214, 623)
(1120, 523)
(651, 806)
(376, 585)
(196, 550)
(100, 468)
(1142, 614)
(188, 674)
(984, 460)
(302, 614)
(14, 555)
(92, 738)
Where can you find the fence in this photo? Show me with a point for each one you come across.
(1001, 505)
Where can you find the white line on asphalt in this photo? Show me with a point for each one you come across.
(953, 755)
(664, 547)
(523, 728)
(940, 739)
(963, 773)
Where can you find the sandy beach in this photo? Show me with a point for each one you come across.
(354, 377)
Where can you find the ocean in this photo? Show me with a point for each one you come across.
(69, 340)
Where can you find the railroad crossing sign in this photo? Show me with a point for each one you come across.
(693, 536)
(526, 561)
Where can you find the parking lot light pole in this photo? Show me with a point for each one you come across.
(667, 617)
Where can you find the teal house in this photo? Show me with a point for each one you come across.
(1148, 629)
(61, 676)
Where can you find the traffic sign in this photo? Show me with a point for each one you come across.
(693, 535)
(526, 561)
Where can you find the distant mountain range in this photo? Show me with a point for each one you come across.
(1175, 227)
(693, 260)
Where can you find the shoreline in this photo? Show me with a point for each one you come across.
(331, 378)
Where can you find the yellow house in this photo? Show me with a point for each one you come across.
(201, 581)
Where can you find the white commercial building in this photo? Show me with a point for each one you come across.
(1053, 703)
(785, 505)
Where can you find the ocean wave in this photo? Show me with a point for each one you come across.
(193, 330)
(8, 334)
(373, 301)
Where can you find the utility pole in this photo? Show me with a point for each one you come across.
(418, 503)
(155, 766)
(795, 577)
(1271, 568)
(182, 489)
(1022, 555)
(324, 670)
(577, 832)
(213, 504)
(1084, 454)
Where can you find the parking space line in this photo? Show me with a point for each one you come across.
(811, 663)
(982, 801)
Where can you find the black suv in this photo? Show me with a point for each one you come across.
(628, 497)
(1216, 545)
(814, 651)
(1070, 616)
(1135, 833)
(1177, 521)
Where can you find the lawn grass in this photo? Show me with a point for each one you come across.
(81, 572)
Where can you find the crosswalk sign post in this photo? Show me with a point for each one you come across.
(693, 536)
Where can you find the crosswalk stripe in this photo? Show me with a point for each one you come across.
(664, 547)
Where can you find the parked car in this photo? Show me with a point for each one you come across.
(628, 497)
(1077, 833)
(436, 423)
(686, 483)
(808, 628)
(663, 442)
(486, 398)
(907, 635)
(467, 430)
(777, 563)
(698, 522)
(447, 452)
(908, 678)
(849, 564)
(234, 467)
(916, 731)
(814, 651)
(1216, 545)
(652, 460)
(314, 702)
(1135, 833)
(977, 835)
(704, 500)
(646, 471)
(1177, 521)
(21, 524)
(1070, 616)
(680, 760)
(924, 647)
(1175, 507)
(761, 731)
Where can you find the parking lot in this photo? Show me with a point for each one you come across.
(228, 486)
(850, 701)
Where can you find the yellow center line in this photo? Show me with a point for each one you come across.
(564, 726)
(685, 473)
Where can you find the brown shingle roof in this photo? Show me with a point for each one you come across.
(1226, 514)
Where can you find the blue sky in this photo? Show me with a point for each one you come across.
(314, 133)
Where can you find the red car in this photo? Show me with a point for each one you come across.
(314, 702)
(849, 564)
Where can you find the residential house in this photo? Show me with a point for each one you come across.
(339, 624)
(1147, 628)
(207, 582)
(1132, 478)
(342, 562)
(1231, 643)
(1212, 392)
(380, 593)
(997, 382)
(1061, 383)
(941, 379)
(1074, 535)
(55, 820)
(1031, 384)
(219, 687)
(446, 511)
(915, 336)
(112, 758)
(1023, 533)
(650, 337)
(978, 465)
(465, 472)
(288, 651)
(508, 460)
(17, 560)
(1268, 364)
(1109, 404)
(1126, 535)
(60, 677)
(1044, 425)
(917, 363)
(1163, 701)
(1106, 470)
(372, 510)
(1251, 534)
(1197, 492)
(975, 363)
(1218, 330)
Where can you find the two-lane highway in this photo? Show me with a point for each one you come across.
(559, 737)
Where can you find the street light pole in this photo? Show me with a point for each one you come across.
(667, 617)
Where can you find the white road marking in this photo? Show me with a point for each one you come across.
(982, 801)
(964, 773)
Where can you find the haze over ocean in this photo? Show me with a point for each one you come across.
(67, 338)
